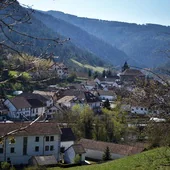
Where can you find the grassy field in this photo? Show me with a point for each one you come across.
(98, 69)
(156, 159)
(16, 73)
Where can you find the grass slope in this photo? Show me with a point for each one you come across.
(98, 69)
(149, 160)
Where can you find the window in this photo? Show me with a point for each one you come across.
(51, 148)
(51, 138)
(37, 139)
(46, 148)
(36, 148)
(1, 150)
(47, 138)
(12, 150)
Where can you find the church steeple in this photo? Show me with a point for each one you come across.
(125, 67)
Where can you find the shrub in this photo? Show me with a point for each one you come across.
(5, 166)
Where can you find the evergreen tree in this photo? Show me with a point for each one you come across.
(104, 73)
(89, 73)
(95, 74)
(107, 155)
(106, 104)
(109, 73)
(125, 67)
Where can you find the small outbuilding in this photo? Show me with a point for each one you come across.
(74, 151)
(95, 149)
(49, 160)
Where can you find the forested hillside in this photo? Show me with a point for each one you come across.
(146, 44)
(37, 46)
(83, 39)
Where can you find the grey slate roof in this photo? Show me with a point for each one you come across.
(45, 160)
(67, 135)
(34, 96)
(35, 103)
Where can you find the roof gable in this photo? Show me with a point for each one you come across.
(132, 72)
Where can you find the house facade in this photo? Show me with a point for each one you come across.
(60, 69)
(22, 108)
(104, 95)
(39, 139)
(18, 107)
(139, 110)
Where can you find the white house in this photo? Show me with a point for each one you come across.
(81, 97)
(18, 107)
(95, 149)
(50, 96)
(67, 101)
(103, 95)
(39, 139)
(73, 151)
(22, 108)
(60, 69)
(139, 110)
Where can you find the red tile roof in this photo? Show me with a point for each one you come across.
(38, 128)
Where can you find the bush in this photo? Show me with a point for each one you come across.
(5, 166)
(77, 159)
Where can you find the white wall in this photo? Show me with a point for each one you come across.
(110, 98)
(67, 144)
(50, 102)
(19, 158)
(10, 106)
(69, 155)
(37, 111)
(139, 110)
(98, 155)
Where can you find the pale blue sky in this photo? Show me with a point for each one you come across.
(133, 11)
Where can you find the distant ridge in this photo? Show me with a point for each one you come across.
(143, 43)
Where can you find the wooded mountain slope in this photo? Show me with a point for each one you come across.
(145, 44)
